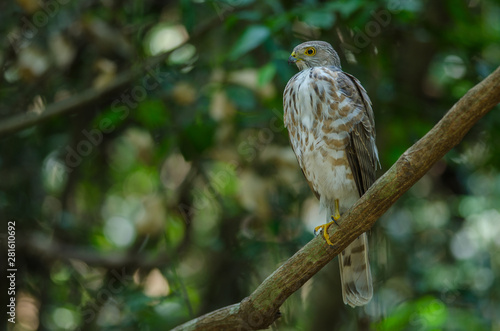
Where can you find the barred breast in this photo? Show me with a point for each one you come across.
(319, 117)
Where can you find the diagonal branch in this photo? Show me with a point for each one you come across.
(87, 99)
(94, 96)
(261, 308)
(46, 249)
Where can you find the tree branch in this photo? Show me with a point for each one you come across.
(48, 249)
(84, 100)
(261, 308)
(93, 96)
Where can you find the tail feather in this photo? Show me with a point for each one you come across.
(355, 274)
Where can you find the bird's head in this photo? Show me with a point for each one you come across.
(314, 54)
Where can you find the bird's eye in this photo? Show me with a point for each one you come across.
(311, 51)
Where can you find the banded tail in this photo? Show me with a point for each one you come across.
(355, 274)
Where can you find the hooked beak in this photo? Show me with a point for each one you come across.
(292, 58)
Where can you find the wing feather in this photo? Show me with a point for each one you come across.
(361, 150)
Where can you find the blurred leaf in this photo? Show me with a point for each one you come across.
(138, 301)
(280, 22)
(427, 313)
(462, 319)
(223, 178)
(266, 74)
(188, 14)
(174, 230)
(322, 19)
(197, 137)
(252, 37)
(152, 114)
(111, 118)
(250, 15)
(345, 8)
(460, 88)
(242, 97)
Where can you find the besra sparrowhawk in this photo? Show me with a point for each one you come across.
(332, 132)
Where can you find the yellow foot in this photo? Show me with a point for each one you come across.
(325, 227)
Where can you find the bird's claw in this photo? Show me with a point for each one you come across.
(324, 228)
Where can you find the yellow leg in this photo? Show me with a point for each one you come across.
(325, 227)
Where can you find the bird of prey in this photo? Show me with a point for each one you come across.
(331, 127)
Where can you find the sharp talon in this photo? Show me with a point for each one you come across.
(326, 235)
(316, 229)
(334, 220)
(324, 228)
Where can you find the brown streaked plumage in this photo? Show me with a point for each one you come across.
(332, 132)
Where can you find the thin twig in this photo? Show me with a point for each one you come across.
(93, 96)
(49, 249)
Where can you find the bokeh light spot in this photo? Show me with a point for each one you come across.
(164, 38)
(119, 231)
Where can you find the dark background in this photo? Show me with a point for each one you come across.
(178, 193)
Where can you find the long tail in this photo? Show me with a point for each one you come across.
(355, 274)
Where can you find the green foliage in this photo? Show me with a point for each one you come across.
(252, 37)
(196, 137)
(429, 313)
(321, 19)
(152, 114)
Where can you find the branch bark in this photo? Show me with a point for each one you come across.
(50, 250)
(85, 100)
(94, 96)
(261, 308)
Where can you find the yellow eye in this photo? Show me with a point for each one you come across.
(310, 51)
